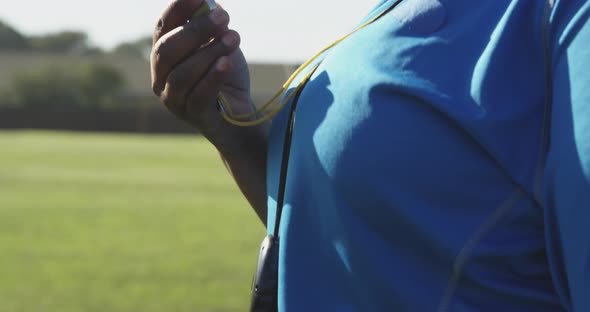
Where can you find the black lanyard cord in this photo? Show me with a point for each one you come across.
(285, 160)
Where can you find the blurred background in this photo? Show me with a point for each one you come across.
(107, 202)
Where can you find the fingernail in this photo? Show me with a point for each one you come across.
(229, 39)
(219, 17)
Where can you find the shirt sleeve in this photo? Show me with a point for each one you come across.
(566, 183)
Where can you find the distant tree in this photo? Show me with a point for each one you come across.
(140, 47)
(10, 39)
(92, 51)
(101, 83)
(61, 42)
(88, 86)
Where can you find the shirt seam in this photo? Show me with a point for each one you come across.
(463, 256)
(547, 108)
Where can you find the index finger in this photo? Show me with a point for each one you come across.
(177, 13)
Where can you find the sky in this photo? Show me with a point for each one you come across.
(271, 30)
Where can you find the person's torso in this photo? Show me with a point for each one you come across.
(412, 166)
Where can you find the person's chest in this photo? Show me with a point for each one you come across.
(408, 137)
(431, 92)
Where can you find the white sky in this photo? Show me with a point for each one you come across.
(271, 30)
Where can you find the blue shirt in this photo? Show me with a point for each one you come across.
(418, 179)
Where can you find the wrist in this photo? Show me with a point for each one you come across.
(240, 141)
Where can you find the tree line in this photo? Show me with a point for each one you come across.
(69, 41)
(85, 85)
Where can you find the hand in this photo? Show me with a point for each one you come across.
(192, 62)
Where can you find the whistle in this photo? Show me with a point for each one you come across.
(206, 6)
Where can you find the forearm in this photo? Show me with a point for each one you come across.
(247, 165)
(189, 69)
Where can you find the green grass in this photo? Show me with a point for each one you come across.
(95, 222)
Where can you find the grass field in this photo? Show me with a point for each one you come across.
(95, 222)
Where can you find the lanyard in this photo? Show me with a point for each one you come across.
(252, 119)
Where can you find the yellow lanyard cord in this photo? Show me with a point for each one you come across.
(242, 120)
(229, 117)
